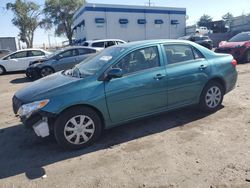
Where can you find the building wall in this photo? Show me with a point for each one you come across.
(8, 43)
(131, 31)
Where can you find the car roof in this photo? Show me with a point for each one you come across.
(138, 44)
(104, 40)
(77, 47)
(149, 42)
(29, 49)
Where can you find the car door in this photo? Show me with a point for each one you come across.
(65, 60)
(187, 72)
(16, 61)
(141, 90)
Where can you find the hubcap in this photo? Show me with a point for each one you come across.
(46, 72)
(79, 129)
(213, 97)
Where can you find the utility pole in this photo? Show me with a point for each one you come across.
(149, 3)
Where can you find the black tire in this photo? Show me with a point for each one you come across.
(64, 121)
(2, 70)
(45, 71)
(206, 96)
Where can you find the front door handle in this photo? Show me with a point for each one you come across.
(202, 67)
(159, 76)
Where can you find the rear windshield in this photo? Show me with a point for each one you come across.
(240, 37)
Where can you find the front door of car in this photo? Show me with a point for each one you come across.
(17, 61)
(187, 72)
(142, 88)
(65, 60)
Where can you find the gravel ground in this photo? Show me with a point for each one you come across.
(184, 148)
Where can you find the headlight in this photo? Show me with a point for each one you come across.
(30, 108)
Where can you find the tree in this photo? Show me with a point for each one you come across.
(204, 20)
(26, 19)
(228, 18)
(60, 14)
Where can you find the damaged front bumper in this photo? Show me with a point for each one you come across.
(33, 117)
(39, 122)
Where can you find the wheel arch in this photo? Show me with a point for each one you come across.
(4, 69)
(98, 112)
(219, 80)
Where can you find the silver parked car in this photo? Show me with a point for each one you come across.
(60, 60)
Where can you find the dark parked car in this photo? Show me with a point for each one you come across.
(124, 83)
(60, 60)
(238, 46)
(199, 39)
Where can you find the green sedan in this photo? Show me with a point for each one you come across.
(124, 83)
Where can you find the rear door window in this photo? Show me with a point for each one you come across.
(36, 53)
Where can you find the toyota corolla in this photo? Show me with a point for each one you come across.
(124, 83)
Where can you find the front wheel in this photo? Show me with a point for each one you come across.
(45, 71)
(2, 70)
(211, 97)
(77, 128)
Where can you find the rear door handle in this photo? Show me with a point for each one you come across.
(202, 67)
(159, 76)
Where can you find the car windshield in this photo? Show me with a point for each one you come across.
(240, 37)
(94, 63)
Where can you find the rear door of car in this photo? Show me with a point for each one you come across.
(34, 55)
(142, 89)
(187, 72)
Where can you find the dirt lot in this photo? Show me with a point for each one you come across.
(179, 149)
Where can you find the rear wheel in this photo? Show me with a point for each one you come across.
(211, 97)
(77, 128)
(45, 71)
(247, 59)
(2, 70)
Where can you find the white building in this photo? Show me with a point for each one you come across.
(129, 23)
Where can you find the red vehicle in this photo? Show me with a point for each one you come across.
(238, 46)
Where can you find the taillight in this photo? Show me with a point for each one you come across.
(234, 62)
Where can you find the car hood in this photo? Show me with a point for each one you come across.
(42, 88)
(231, 44)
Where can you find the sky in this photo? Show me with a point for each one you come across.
(195, 9)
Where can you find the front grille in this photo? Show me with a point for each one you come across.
(16, 104)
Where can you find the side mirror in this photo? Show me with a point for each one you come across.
(114, 73)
